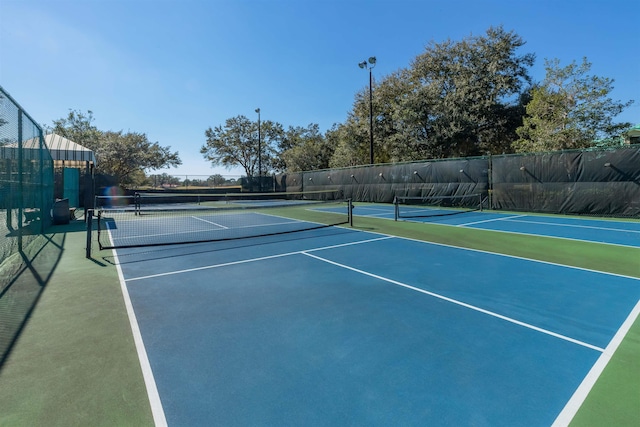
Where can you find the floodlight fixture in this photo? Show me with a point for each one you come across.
(607, 165)
(372, 63)
(259, 152)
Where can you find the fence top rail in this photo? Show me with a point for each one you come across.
(24, 112)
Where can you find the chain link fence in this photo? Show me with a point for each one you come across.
(26, 180)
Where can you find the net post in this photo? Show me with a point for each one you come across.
(89, 219)
(396, 208)
(137, 201)
(99, 221)
(350, 212)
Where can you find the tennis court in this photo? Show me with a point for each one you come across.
(340, 326)
(609, 231)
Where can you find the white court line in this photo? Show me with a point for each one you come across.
(549, 236)
(157, 410)
(460, 303)
(210, 222)
(591, 227)
(244, 261)
(573, 267)
(579, 396)
(490, 220)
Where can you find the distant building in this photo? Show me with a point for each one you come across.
(632, 136)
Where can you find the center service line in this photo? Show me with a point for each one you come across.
(460, 303)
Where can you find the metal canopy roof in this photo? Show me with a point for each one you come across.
(66, 150)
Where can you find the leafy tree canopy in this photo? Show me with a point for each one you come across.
(123, 155)
(570, 109)
(456, 99)
(236, 144)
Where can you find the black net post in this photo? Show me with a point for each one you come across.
(89, 219)
(396, 209)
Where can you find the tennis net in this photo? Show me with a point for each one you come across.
(130, 223)
(434, 206)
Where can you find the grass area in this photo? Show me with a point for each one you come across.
(75, 363)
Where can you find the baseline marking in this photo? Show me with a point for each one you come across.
(460, 303)
(579, 396)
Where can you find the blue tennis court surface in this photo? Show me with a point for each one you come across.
(342, 327)
(615, 232)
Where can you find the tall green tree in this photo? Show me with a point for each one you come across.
(124, 155)
(236, 144)
(304, 149)
(465, 92)
(348, 150)
(457, 98)
(79, 128)
(570, 109)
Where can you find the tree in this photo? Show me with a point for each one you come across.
(303, 149)
(123, 155)
(216, 180)
(78, 127)
(456, 99)
(570, 109)
(348, 151)
(236, 144)
(464, 93)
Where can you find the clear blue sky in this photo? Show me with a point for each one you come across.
(173, 68)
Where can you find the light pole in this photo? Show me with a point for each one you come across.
(370, 65)
(259, 153)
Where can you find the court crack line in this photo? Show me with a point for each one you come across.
(460, 303)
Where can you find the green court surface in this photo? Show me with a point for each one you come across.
(75, 363)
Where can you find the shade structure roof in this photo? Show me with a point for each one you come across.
(66, 150)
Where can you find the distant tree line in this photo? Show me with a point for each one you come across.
(165, 180)
(456, 99)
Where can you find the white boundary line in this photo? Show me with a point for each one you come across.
(555, 224)
(503, 255)
(210, 222)
(152, 390)
(244, 261)
(460, 303)
(520, 233)
(489, 220)
(583, 390)
(510, 218)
